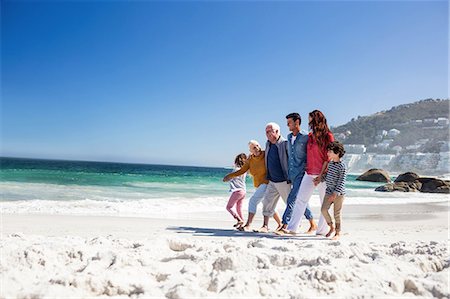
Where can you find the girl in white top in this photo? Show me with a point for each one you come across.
(238, 190)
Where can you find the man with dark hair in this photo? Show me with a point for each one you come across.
(296, 169)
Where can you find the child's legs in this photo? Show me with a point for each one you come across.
(239, 205)
(325, 207)
(337, 211)
(232, 201)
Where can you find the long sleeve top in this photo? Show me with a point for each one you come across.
(335, 178)
(256, 166)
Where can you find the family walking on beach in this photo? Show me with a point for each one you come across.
(291, 169)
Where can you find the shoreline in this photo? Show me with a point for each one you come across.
(432, 216)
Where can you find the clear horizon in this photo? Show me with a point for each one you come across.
(189, 83)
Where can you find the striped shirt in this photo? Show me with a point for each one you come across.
(335, 178)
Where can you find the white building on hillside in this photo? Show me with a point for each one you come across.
(444, 162)
(442, 121)
(355, 148)
(397, 148)
(413, 147)
(393, 133)
(382, 133)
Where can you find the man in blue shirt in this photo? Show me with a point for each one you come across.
(296, 144)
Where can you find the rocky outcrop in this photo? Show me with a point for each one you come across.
(407, 177)
(402, 187)
(432, 185)
(375, 175)
(411, 182)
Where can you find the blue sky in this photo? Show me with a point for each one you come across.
(190, 83)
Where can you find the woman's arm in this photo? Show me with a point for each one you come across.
(325, 163)
(318, 179)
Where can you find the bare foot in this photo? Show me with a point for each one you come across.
(238, 224)
(281, 227)
(336, 236)
(330, 232)
(263, 229)
(312, 228)
(245, 228)
(281, 232)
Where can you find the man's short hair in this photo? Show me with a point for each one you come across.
(274, 126)
(337, 148)
(294, 117)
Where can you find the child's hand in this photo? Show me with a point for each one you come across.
(316, 180)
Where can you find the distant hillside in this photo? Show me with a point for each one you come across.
(423, 127)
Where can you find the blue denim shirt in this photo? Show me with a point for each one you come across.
(296, 155)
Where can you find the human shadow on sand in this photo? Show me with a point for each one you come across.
(217, 232)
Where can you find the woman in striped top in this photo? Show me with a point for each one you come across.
(335, 180)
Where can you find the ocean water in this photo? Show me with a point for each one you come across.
(139, 190)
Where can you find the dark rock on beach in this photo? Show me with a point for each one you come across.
(401, 186)
(407, 177)
(432, 185)
(375, 175)
(411, 182)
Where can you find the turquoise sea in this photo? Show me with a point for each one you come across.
(55, 186)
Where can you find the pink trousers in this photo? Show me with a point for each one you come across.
(236, 198)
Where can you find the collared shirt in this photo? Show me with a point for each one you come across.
(296, 155)
(293, 137)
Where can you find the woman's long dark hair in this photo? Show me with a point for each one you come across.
(319, 127)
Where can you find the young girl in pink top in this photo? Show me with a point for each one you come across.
(316, 165)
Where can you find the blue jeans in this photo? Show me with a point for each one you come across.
(291, 201)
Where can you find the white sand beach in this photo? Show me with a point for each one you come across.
(387, 251)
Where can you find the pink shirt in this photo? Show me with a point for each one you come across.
(316, 156)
